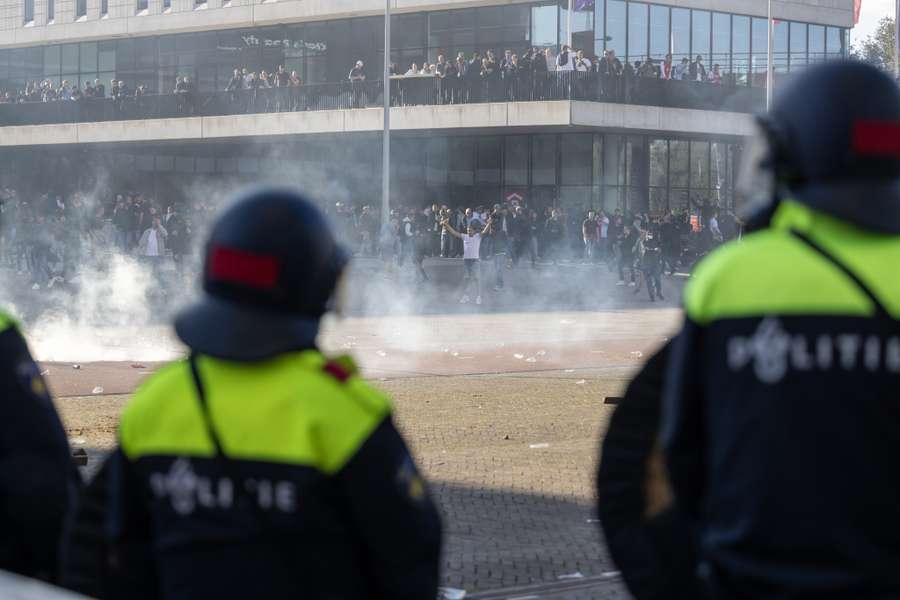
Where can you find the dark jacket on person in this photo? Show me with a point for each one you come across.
(308, 491)
(780, 417)
(38, 479)
(649, 539)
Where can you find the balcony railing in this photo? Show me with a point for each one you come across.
(405, 91)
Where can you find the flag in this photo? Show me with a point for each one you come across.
(584, 4)
(857, 6)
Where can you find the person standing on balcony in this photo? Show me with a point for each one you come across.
(296, 95)
(715, 76)
(583, 66)
(282, 82)
(666, 68)
(473, 78)
(611, 75)
(566, 59)
(99, 90)
(697, 70)
(357, 79)
(235, 84)
(508, 78)
(682, 69)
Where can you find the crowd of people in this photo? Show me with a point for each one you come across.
(639, 247)
(47, 239)
(535, 74)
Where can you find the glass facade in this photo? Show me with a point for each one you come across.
(324, 51)
(576, 170)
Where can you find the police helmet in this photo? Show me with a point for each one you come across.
(271, 268)
(831, 141)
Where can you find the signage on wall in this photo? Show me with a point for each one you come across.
(251, 41)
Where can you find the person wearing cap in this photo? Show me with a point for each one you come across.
(781, 423)
(38, 478)
(257, 467)
(357, 79)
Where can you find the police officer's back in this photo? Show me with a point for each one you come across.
(258, 468)
(781, 419)
(38, 479)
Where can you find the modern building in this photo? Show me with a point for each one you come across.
(630, 142)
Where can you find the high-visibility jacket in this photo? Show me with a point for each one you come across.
(282, 478)
(781, 413)
(38, 479)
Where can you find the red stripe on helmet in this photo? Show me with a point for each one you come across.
(879, 138)
(245, 268)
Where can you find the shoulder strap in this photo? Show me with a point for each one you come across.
(880, 310)
(204, 407)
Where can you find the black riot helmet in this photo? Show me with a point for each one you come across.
(831, 141)
(271, 268)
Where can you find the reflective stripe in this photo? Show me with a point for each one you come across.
(6, 322)
(772, 272)
(285, 410)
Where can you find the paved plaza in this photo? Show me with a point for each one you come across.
(504, 413)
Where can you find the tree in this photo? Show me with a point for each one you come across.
(878, 48)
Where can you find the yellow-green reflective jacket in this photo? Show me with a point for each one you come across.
(284, 478)
(781, 416)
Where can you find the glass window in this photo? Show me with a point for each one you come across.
(51, 10)
(462, 161)
(780, 47)
(489, 153)
(659, 163)
(833, 46)
(721, 42)
(70, 58)
(141, 5)
(438, 161)
(615, 26)
(659, 31)
(700, 34)
(29, 11)
(104, 7)
(88, 54)
(516, 160)
(718, 166)
(408, 31)
(638, 21)
(543, 160)
(167, 4)
(699, 165)
(80, 8)
(577, 158)
(544, 25)
(816, 43)
(760, 52)
(798, 45)
(681, 33)
(740, 55)
(52, 62)
(599, 25)
(678, 163)
(106, 56)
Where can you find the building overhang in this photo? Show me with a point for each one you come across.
(501, 117)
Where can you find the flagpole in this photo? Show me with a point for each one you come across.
(770, 67)
(569, 23)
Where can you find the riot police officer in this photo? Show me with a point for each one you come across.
(38, 479)
(257, 467)
(781, 422)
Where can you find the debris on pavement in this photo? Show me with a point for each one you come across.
(575, 575)
(97, 390)
(536, 446)
(448, 593)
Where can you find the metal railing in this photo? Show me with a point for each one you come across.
(405, 91)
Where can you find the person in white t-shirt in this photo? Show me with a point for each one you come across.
(471, 255)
